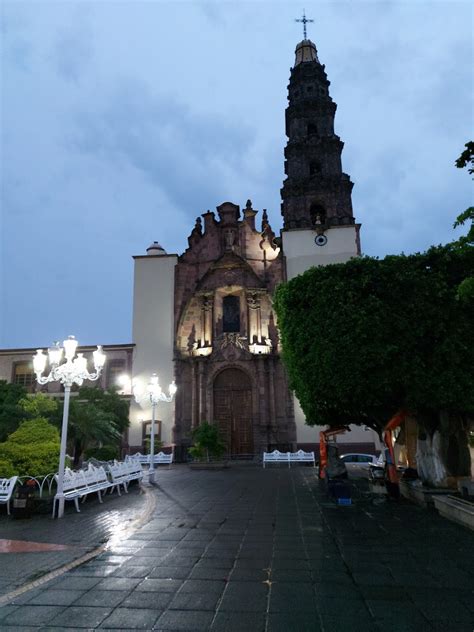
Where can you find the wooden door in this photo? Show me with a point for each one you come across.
(233, 410)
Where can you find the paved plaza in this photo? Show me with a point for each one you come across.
(246, 550)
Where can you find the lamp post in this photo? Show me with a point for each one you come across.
(73, 371)
(154, 395)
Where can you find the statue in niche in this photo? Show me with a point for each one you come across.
(192, 339)
(229, 237)
(253, 300)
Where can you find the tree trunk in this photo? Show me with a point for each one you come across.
(444, 456)
(78, 450)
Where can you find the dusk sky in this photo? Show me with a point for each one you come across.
(122, 122)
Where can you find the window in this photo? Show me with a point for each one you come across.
(115, 368)
(312, 129)
(23, 375)
(231, 314)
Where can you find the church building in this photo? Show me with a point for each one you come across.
(205, 317)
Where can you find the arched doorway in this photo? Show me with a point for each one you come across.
(233, 410)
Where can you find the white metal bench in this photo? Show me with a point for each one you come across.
(81, 483)
(122, 473)
(7, 485)
(289, 457)
(159, 459)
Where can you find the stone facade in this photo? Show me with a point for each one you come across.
(227, 358)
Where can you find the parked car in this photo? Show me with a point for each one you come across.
(358, 464)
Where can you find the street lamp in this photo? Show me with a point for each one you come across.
(73, 371)
(154, 395)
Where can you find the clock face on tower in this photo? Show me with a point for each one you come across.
(320, 240)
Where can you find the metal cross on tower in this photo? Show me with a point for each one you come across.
(305, 21)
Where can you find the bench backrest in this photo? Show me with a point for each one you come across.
(276, 455)
(117, 471)
(6, 486)
(72, 479)
(301, 455)
(162, 457)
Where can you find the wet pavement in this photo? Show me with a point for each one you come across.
(30, 548)
(248, 549)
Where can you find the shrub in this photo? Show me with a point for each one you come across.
(32, 449)
(6, 469)
(34, 431)
(35, 460)
(207, 442)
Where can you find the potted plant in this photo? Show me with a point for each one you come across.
(207, 447)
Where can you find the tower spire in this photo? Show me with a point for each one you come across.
(305, 21)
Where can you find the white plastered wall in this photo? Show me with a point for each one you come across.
(153, 335)
(302, 253)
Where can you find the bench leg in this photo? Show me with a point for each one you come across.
(99, 496)
(8, 507)
(76, 502)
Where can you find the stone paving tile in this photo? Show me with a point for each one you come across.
(292, 597)
(117, 583)
(151, 600)
(54, 597)
(190, 621)
(244, 596)
(131, 618)
(237, 622)
(105, 598)
(159, 585)
(80, 617)
(299, 622)
(195, 601)
(32, 615)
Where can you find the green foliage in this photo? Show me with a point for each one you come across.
(32, 449)
(11, 412)
(363, 339)
(466, 287)
(467, 158)
(105, 453)
(96, 416)
(207, 442)
(39, 405)
(158, 445)
(34, 431)
(6, 469)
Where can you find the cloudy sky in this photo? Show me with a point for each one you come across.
(123, 121)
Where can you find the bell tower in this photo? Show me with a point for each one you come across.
(318, 222)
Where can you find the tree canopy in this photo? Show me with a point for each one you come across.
(11, 412)
(96, 416)
(365, 338)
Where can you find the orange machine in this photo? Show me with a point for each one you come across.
(392, 481)
(324, 436)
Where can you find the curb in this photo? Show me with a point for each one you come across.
(150, 504)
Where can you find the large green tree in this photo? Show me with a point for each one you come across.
(466, 159)
(364, 339)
